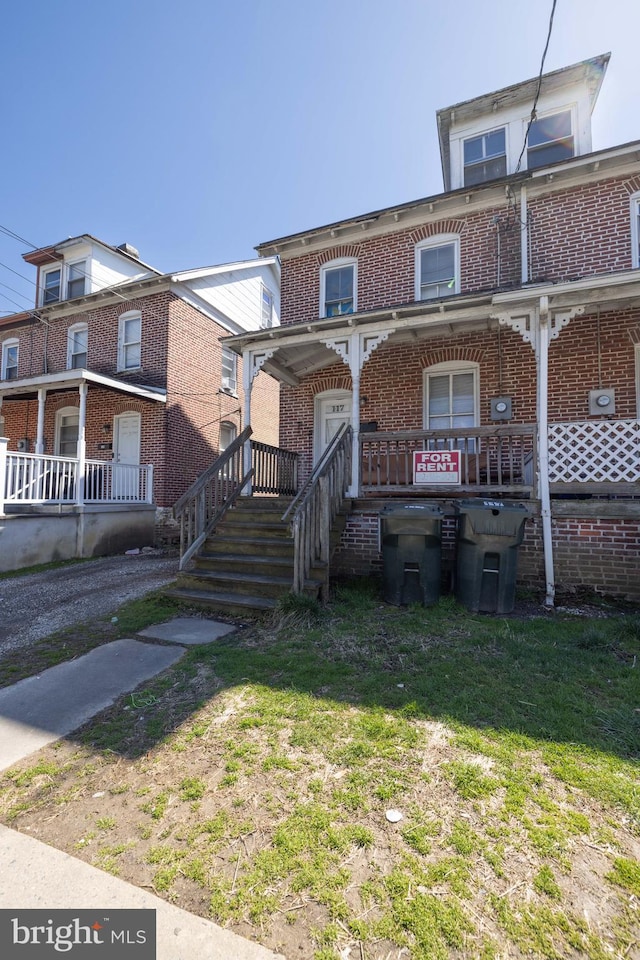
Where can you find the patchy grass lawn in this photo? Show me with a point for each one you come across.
(255, 783)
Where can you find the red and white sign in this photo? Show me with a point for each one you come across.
(436, 466)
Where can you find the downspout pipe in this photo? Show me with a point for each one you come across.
(543, 448)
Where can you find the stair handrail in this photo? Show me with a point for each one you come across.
(209, 497)
(312, 513)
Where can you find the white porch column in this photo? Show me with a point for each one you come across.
(252, 363)
(42, 395)
(355, 349)
(82, 446)
(3, 472)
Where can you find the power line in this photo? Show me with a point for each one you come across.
(535, 101)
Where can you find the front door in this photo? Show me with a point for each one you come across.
(126, 450)
(332, 409)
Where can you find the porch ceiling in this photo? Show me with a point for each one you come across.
(27, 387)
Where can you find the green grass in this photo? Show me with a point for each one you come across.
(257, 773)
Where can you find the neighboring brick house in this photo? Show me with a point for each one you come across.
(500, 319)
(120, 364)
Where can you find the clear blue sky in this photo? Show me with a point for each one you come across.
(197, 129)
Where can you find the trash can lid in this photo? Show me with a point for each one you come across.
(408, 509)
(471, 504)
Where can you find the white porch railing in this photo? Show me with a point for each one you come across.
(594, 451)
(39, 479)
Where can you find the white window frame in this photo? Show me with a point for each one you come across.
(68, 278)
(43, 284)
(60, 414)
(338, 264)
(476, 136)
(266, 304)
(228, 427)
(6, 347)
(449, 367)
(229, 381)
(635, 229)
(124, 345)
(71, 338)
(439, 240)
(567, 108)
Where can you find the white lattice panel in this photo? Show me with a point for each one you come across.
(595, 451)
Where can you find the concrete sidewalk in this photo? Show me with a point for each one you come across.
(43, 708)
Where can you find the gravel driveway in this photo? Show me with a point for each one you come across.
(37, 604)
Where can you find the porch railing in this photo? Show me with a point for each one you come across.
(274, 470)
(32, 478)
(492, 458)
(210, 496)
(314, 510)
(602, 453)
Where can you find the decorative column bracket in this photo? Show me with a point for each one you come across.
(527, 323)
(258, 361)
(356, 359)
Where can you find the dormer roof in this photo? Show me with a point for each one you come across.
(587, 74)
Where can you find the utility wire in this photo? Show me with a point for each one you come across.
(535, 101)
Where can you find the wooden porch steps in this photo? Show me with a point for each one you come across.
(247, 563)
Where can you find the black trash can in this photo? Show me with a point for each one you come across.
(411, 553)
(489, 534)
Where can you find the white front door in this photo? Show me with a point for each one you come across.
(332, 409)
(126, 450)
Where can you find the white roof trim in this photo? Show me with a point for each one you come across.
(73, 378)
(240, 265)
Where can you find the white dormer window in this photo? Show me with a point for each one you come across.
(229, 371)
(76, 273)
(51, 286)
(77, 339)
(338, 285)
(129, 340)
(266, 308)
(550, 140)
(10, 360)
(437, 268)
(485, 157)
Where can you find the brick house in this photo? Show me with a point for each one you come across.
(499, 319)
(116, 393)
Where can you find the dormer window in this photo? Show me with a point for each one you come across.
(266, 309)
(550, 140)
(485, 157)
(51, 286)
(75, 279)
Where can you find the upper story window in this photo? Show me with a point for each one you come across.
(51, 285)
(229, 370)
(75, 279)
(266, 308)
(77, 339)
(10, 360)
(338, 286)
(485, 157)
(129, 340)
(437, 268)
(550, 139)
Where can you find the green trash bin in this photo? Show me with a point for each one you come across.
(411, 553)
(489, 534)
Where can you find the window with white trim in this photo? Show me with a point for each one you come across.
(338, 288)
(451, 392)
(437, 268)
(76, 273)
(635, 230)
(10, 359)
(550, 140)
(229, 371)
(228, 433)
(129, 340)
(485, 157)
(77, 340)
(51, 286)
(266, 308)
(67, 427)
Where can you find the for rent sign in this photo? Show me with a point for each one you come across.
(436, 466)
